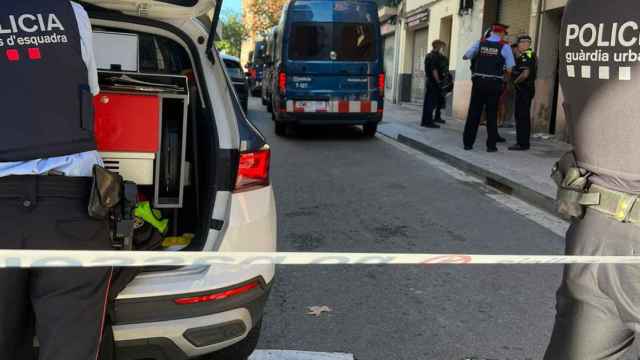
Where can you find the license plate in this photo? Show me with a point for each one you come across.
(313, 106)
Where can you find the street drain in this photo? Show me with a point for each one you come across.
(499, 186)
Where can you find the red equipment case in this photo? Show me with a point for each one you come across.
(127, 122)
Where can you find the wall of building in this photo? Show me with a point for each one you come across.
(554, 4)
(546, 84)
(468, 29)
(249, 44)
(541, 19)
(516, 14)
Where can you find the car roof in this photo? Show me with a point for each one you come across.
(229, 57)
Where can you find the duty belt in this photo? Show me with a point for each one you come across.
(619, 205)
(576, 193)
(485, 76)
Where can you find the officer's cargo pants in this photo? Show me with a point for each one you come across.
(485, 96)
(64, 307)
(524, 97)
(598, 306)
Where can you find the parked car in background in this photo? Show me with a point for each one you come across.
(238, 79)
(256, 68)
(203, 312)
(329, 65)
(269, 60)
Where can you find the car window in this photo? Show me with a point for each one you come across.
(162, 55)
(234, 70)
(259, 53)
(310, 41)
(158, 54)
(353, 42)
(317, 41)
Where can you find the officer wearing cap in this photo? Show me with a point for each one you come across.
(598, 306)
(490, 58)
(524, 74)
(47, 152)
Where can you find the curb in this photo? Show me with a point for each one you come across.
(500, 182)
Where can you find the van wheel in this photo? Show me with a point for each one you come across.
(241, 350)
(281, 128)
(370, 130)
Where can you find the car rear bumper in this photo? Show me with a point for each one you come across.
(330, 118)
(143, 330)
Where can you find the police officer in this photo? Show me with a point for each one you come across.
(47, 152)
(490, 57)
(598, 306)
(524, 74)
(436, 66)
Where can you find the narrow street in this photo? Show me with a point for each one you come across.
(339, 191)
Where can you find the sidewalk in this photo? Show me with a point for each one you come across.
(522, 174)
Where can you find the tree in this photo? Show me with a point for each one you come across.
(264, 15)
(233, 33)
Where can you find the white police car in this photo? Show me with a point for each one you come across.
(228, 203)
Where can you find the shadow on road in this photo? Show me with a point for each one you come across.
(326, 133)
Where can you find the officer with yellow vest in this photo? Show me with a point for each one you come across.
(524, 74)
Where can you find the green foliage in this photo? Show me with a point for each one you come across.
(233, 33)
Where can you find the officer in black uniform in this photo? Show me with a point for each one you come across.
(598, 306)
(436, 67)
(524, 75)
(490, 57)
(47, 116)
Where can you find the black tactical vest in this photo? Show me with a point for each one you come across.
(600, 77)
(489, 60)
(45, 101)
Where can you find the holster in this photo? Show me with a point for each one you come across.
(106, 192)
(573, 185)
(115, 200)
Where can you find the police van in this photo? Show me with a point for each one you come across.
(268, 72)
(256, 67)
(167, 118)
(329, 65)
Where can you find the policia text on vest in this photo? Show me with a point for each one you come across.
(48, 114)
(598, 307)
(47, 25)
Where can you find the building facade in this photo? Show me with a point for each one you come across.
(460, 23)
(249, 44)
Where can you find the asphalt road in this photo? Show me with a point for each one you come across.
(339, 191)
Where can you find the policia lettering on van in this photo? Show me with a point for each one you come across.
(47, 159)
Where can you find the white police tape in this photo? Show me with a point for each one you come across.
(74, 259)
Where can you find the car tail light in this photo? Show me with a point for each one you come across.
(218, 295)
(381, 83)
(282, 83)
(253, 170)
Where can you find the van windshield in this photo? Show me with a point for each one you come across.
(332, 41)
(259, 53)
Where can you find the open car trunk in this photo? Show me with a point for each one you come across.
(152, 128)
(158, 9)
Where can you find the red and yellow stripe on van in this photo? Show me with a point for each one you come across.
(336, 107)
